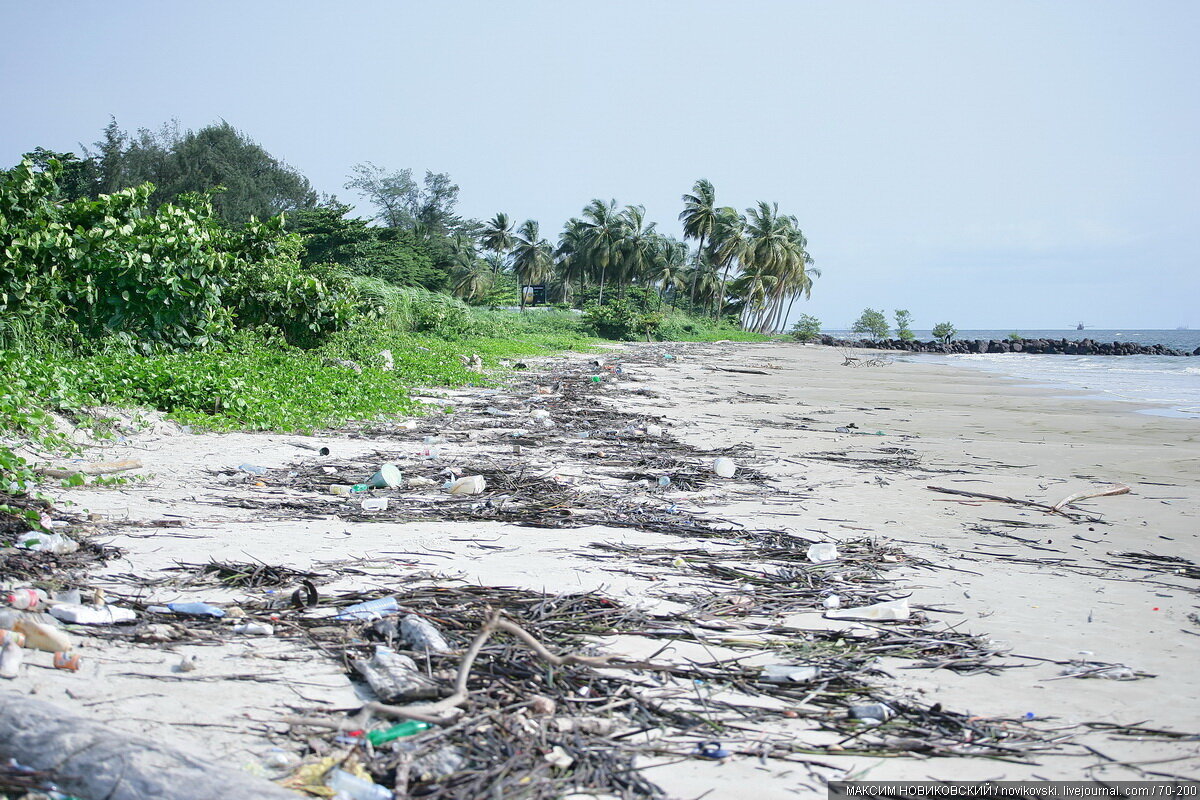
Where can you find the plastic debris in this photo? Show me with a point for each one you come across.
(47, 542)
(11, 656)
(788, 673)
(255, 629)
(474, 484)
(822, 553)
(253, 469)
(724, 467)
(420, 634)
(91, 615)
(387, 477)
(375, 504)
(712, 750)
(196, 609)
(872, 713)
(395, 678)
(832, 601)
(66, 661)
(371, 609)
(407, 728)
(890, 610)
(42, 636)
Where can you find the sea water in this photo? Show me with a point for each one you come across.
(1164, 385)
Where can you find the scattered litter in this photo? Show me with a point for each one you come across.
(822, 553)
(889, 610)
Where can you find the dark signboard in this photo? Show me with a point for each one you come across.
(534, 295)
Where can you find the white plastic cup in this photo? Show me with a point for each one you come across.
(822, 553)
(375, 504)
(472, 484)
(724, 467)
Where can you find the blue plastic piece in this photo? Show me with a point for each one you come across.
(196, 609)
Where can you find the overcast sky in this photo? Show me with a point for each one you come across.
(999, 165)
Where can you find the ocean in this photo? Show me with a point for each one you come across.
(1163, 385)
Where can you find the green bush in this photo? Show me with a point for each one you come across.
(872, 323)
(944, 331)
(807, 328)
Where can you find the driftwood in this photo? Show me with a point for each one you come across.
(1057, 508)
(99, 468)
(741, 370)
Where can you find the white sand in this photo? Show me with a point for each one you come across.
(966, 430)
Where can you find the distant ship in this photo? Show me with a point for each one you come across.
(1079, 326)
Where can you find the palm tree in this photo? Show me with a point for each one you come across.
(604, 233)
(571, 255)
(472, 278)
(729, 239)
(668, 269)
(497, 236)
(639, 246)
(533, 257)
(699, 218)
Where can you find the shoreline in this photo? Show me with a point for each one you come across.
(996, 570)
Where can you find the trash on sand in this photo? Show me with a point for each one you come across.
(7, 636)
(872, 713)
(832, 602)
(350, 786)
(395, 678)
(557, 757)
(41, 636)
(724, 467)
(788, 673)
(712, 750)
(421, 482)
(654, 430)
(375, 504)
(47, 542)
(419, 634)
(407, 728)
(11, 657)
(473, 484)
(387, 477)
(25, 599)
(66, 661)
(371, 609)
(187, 664)
(196, 609)
(91, 615)
(1099, 669)
(822, 553)
(253, 469)
(345, 489)
(889, 610)
(255, 629)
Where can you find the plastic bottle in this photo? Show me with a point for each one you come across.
(40, 636)
(408, 728)
(349, 785)
(344, 489)
(375, 504)
(371, 609)
(419, 634)
(664, 481)
(890, 610)
(254, 629)
(724, 467)
(11, 656)
(7, 636)
(26, 599)
(253, 469)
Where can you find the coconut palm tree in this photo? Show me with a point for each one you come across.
(669, 270)
(605, 232)
(571, 256)
(728, 241)
(639, 246)
(699, 218)
(497, 236)
(532, 257)
(471, 277)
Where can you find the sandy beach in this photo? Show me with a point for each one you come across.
(848, 453)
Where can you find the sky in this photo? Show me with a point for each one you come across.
(1000, 165)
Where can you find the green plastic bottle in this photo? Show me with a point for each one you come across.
(408, 728)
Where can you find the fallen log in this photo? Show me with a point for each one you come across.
(91, 470)
(88, 759)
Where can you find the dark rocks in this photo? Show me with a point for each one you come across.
(1083, 347)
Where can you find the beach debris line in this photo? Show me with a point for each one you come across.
(1056, 508)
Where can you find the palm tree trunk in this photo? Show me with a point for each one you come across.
(721, 297)
(696, 271)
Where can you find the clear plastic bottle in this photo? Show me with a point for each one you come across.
(26, 599)
(349, 785)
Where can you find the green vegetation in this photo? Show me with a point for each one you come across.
(904, 330)
(1015, 337)
(872, 323)
(807, 328)
(158, 271)
(944, 331)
